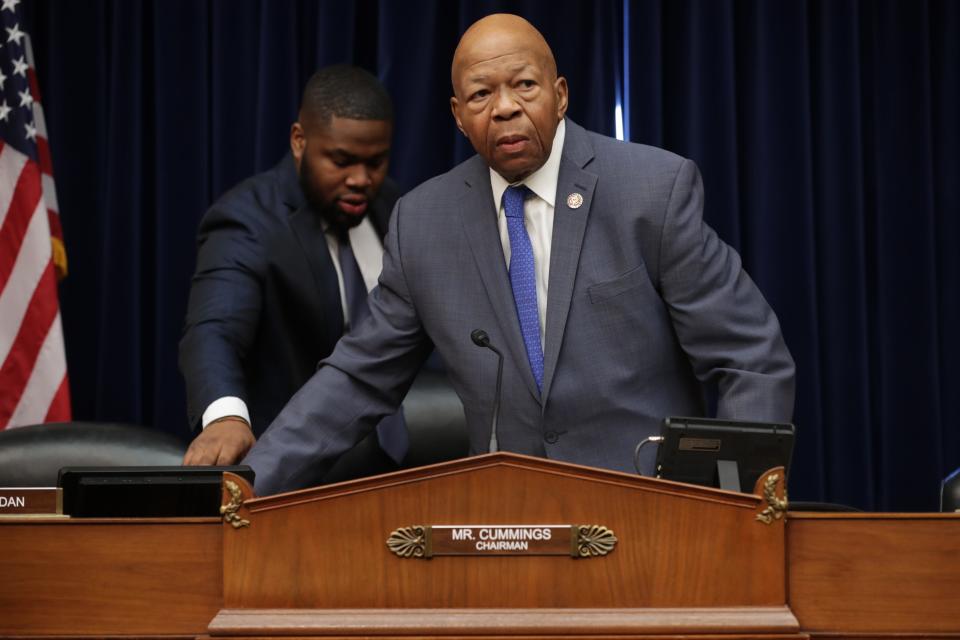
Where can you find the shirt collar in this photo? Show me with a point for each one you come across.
(351, 232)
(543, 181)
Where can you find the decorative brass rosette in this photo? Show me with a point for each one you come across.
(408, 542)
(594, 540)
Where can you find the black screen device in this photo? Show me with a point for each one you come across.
(726, 454)
(144, 492)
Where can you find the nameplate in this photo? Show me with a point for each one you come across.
(30, 501)
(575, 541)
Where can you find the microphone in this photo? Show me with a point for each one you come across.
(481, 339)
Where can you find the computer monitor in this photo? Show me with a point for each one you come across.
(726, 454)
(144, 492)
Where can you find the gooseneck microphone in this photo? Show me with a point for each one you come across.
(481, 339)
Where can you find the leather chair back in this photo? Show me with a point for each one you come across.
(32, 456)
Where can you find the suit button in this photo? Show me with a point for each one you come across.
(551, 437)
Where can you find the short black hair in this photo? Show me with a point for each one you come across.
(345, 91)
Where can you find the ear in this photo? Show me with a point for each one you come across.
(560, 90)
(298, 142)
(454, 106)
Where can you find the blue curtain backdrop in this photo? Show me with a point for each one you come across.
(826, 131)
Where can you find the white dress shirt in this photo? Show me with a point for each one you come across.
(537, 218)
(368, 250)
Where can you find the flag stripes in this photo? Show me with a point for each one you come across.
(33, 367)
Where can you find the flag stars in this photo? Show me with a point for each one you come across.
(20, 67)
(26, 100)
(3, 80)
(14, 35)
(31, 131)
(4, 111)
(10, 5)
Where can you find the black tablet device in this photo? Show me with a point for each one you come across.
(144, 492)
(727, 454)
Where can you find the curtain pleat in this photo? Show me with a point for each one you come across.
(835, 176)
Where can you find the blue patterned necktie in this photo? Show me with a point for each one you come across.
(354, 287)
(523, 279)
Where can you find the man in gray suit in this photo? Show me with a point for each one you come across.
(586, 260)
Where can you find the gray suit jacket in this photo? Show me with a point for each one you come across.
(645, 305)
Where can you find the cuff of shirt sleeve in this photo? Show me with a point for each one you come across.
(223, 407)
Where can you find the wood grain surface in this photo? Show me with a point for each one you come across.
(109, 577)
(505, 622)
(875, 573)
(679, 545)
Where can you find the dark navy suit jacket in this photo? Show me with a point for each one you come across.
(264, 305)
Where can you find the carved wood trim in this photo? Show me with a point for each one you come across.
(506, 622)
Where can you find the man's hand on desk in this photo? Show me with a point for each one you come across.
(222, 442)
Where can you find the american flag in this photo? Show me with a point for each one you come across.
(33, 374)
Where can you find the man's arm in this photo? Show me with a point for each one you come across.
(365, 378)
(222, 317)
(723, 322)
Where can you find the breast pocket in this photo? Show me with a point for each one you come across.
(634, 279)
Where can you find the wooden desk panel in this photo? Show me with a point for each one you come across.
(849, 575)
(109, 577)
(874, 573)
(678, 545)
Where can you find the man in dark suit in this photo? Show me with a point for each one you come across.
(284, 264)
(585, 259)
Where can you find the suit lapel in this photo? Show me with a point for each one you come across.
(307, 228)
(308, 231)
(382, 206)
(289, 183)
(379, 217)
(569, 225)
(479, 218)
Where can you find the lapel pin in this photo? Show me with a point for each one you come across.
(574, 200)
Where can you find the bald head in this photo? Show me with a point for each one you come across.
(507, 97)
(498, 35)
